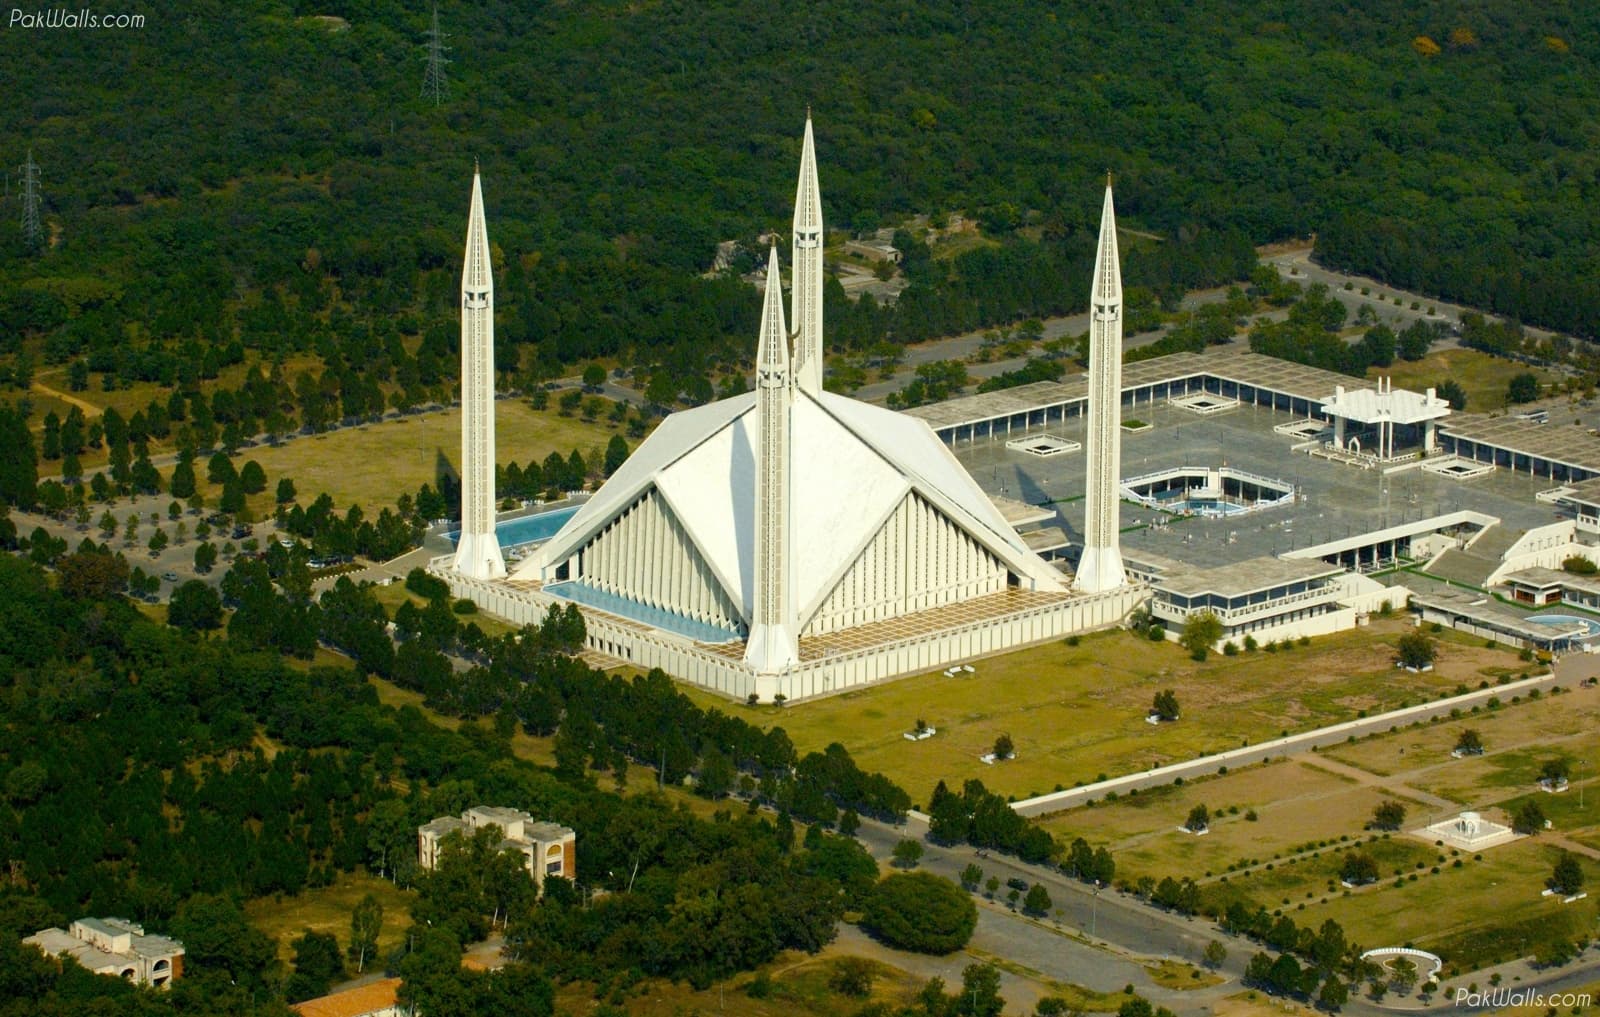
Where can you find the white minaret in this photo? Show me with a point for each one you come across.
(806, 264)
(478, 551)
(772, 646)
(1100, 568)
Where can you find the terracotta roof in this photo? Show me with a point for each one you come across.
(363, 999)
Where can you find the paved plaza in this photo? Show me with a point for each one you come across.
(1336, 500)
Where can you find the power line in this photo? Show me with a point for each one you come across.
(434, 84)
(31, 228)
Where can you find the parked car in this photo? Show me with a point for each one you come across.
(170, 577)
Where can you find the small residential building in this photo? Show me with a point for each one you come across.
(376, 999)
(874, 250)
(548, 849)
(116, 947)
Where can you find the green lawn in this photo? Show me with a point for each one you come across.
(1478, 914)
(1076, 713)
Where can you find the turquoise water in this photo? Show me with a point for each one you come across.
(1563, 620)
(1207, 507)
(655, 617)
(527, 529)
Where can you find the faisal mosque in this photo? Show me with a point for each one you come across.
(791, 542)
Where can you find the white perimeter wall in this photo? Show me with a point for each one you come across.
(647, 648)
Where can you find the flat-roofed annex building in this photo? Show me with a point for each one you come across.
(547, 849)
(116, 947)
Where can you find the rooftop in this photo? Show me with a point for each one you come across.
(1574, 446)
(1367, 405)
(1252, 575)
(1238, 365)
(357, 1002)
(1584, 492)
(1543, 578)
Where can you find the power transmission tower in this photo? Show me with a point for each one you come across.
(434, 85)
(31, 228)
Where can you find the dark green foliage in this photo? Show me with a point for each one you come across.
(1089, 864)
(1037, 901)
(1165, 706)
(252, 477)
(1451, 392)
(922, 912)
(1568, 875)
(1417, 650)
(317, 964)
(983, 819)
(195, 605)
(1529, 817)
(1358, 869)
(907, 853)
(1388, 815)
(1523, 388)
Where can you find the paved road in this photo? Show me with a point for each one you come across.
(1099, 940)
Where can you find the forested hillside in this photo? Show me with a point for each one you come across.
(257, 172)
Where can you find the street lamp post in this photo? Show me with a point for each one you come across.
(1094, 908)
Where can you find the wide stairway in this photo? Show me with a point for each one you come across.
(1474, 565)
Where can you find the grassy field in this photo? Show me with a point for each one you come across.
(374, 464)
(328, 910)
(1470, 916)
(1484, 909)
(1077, 712)
(1315, 876)
(1481, 376)
(1550, 720)
(1294, 804)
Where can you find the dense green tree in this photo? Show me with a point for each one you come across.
(1568, 875)
(1200, 633)
(922, 912)
(317, 963)
(195, 605)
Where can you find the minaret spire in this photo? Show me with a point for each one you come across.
(477, 549)
(1100, 567)
(806, 263)
(772, 647)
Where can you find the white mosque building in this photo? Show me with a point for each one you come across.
(788, 542)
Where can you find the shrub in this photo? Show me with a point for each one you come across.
(922, 912)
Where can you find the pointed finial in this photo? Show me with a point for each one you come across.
(1108, 178)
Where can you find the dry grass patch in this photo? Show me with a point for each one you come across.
(1480, 375)
(1171, 974)
(328, 908)
(1295, 804)
(373, 464)
(1528, 723)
